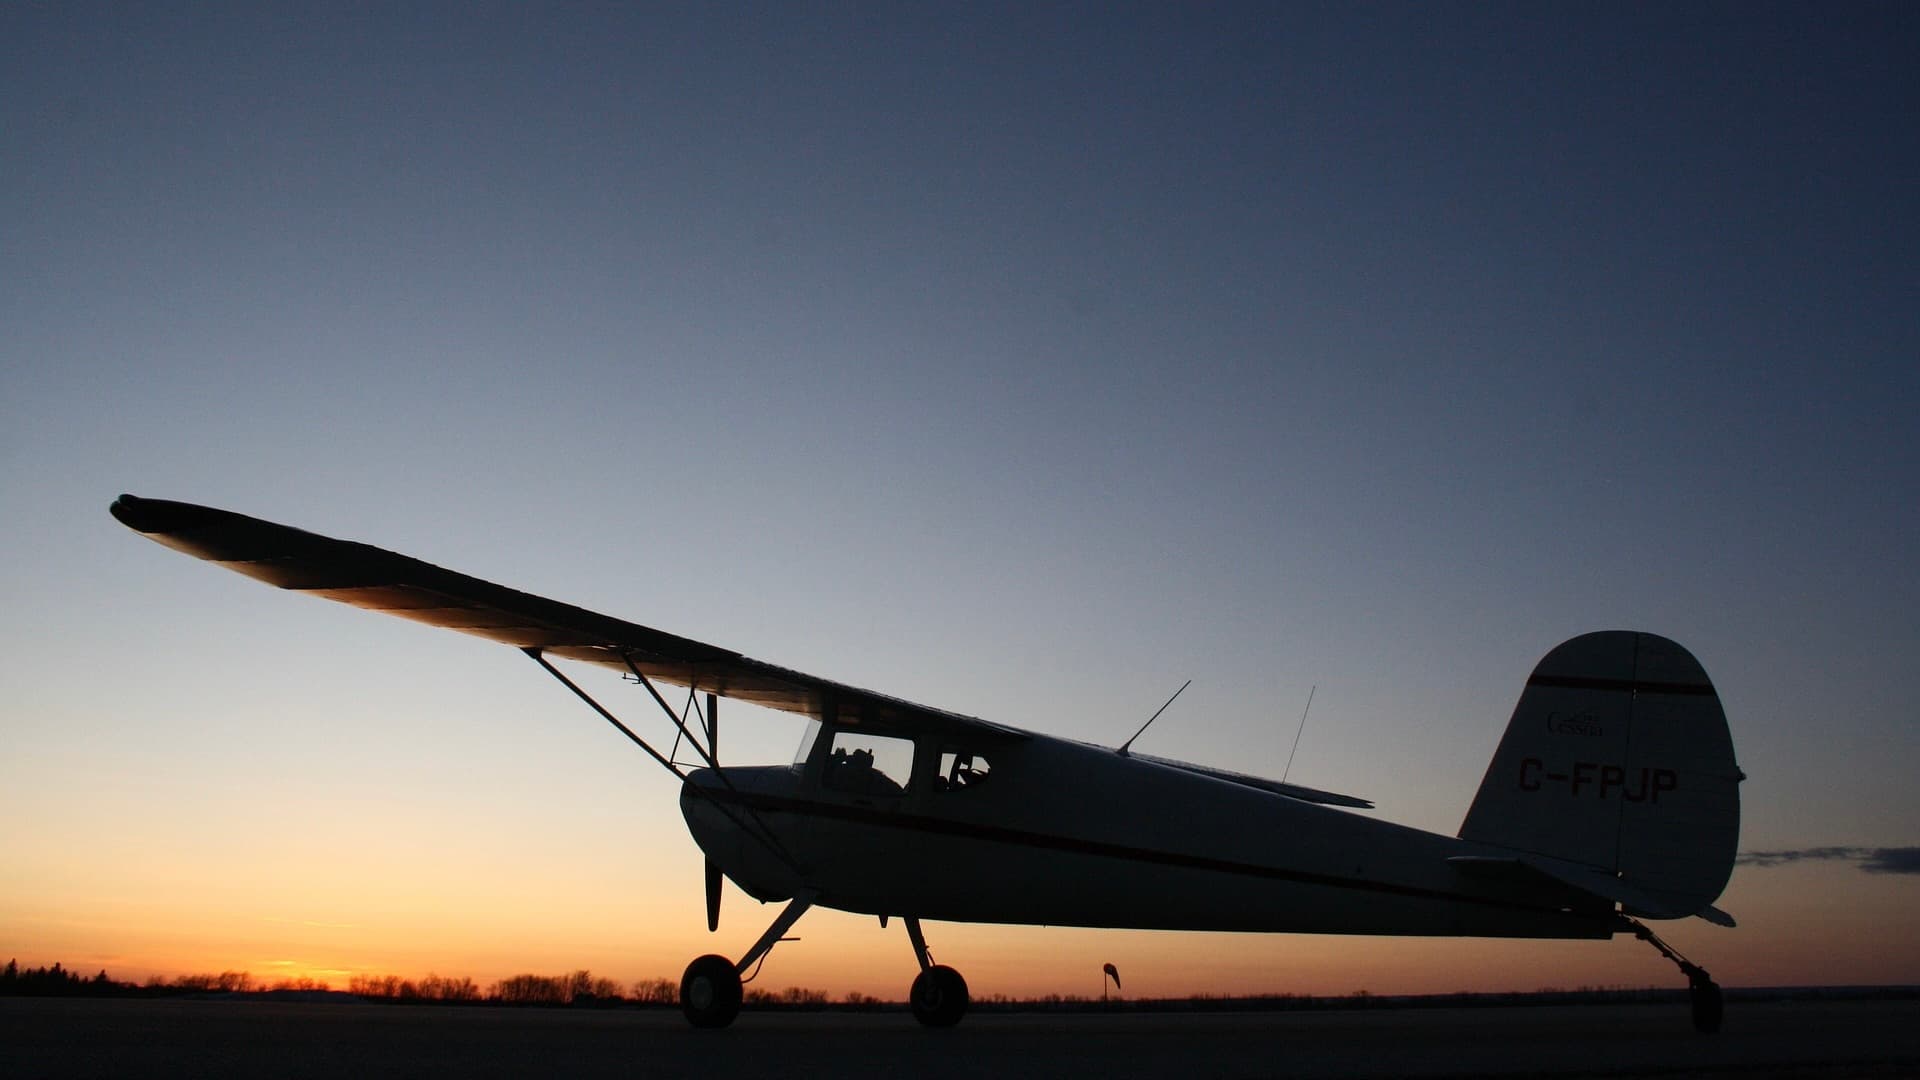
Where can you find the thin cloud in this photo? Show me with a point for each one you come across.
(1893, 860)
(1889, 860)
(311, 922)
(1782, 858)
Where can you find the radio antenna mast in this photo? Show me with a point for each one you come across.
(1155, 716)
(1301, 731)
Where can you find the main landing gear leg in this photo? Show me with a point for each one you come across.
(1702, 991)
(710, 990)
(939, 994)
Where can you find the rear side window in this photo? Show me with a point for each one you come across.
(960, 771)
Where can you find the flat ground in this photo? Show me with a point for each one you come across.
(50, 1037)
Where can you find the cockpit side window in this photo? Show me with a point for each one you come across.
(861, 763)
(961, 770)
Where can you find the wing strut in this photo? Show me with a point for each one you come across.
(680, 721)
(757, 829)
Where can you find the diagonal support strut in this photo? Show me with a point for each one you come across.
(751, 825)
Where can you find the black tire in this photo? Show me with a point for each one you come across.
(1708, 1009)
(710, 992)
(939, 997)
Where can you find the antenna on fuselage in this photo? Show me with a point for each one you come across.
(1299, 732)
(1155, 716)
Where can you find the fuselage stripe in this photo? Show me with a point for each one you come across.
(1049, 841)
(1643, 686)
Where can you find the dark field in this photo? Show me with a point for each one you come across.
(48, 1037)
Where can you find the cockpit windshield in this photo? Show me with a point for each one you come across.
(805, 749)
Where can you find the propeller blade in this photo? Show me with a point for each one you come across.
(713, 896)
(713, 870)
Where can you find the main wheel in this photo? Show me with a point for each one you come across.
(1708, 1009)
(939, 996)
(710, 992)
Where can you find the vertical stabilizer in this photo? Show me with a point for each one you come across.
(1618, 759)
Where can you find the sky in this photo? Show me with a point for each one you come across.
(1020, 360)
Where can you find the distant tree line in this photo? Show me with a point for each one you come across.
(58, 981)
(54, 981)
(582, 989)
(431, 988)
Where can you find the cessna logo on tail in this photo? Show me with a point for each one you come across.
(1587, 777)
(1584, 723)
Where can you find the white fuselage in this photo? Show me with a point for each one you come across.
(1066, 834)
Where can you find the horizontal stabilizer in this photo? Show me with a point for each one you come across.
(1584, 878)
(1291, 791)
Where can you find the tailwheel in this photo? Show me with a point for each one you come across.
(710, 992)
(1707, 1006)
(939, 996)
(1702, 992)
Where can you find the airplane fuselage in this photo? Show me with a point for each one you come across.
(1067, 834)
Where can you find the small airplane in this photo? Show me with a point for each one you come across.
(1612, 798)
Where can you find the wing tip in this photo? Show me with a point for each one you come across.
(163, 515)
(126, 509)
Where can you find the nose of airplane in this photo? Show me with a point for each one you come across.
(702, 795)
(704, 819)
(698, 781)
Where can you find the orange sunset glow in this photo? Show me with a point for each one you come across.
(284, 886)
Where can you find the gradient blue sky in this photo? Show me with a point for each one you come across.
(1021, 360)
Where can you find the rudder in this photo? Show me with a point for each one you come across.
(1618, 759)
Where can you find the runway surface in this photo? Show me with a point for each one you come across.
(181, 1038)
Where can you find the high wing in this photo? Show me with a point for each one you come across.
(380, 580)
